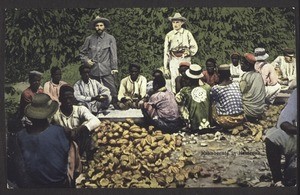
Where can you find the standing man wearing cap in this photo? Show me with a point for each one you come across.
(99, 51)
(194, 100)
(287, 66)
(179, 46)
(235, 67)
(252, 88)
(268, 74)
(226, 98)
(46, 158)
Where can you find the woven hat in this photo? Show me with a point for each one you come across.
(41, 107)
(177, 16)
(250, 58)
(224, 67)
(105, 21)
(194, 71)
(260, 54)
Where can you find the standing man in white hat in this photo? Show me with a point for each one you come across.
(179, 46)
(99, 51)
(268, 74)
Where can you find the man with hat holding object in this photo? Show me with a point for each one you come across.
(46, 156)
(287, 66)
(268, 74)
(252, 88)
(179, 46)
(226, 98)
(235, 67)
(35, 78)
(99, 51)
(194, 100)
(181, 80)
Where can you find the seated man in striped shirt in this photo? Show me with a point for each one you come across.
(90, 93)
(77, 119)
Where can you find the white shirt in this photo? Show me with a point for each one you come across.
(80, 116)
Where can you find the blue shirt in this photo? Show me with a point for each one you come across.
(45, 154)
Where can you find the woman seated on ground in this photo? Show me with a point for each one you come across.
(226, 97)
(161, 110)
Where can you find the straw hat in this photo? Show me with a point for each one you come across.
(260, 54)
(41, 107)
(177, 16)
(194, 71)
(105, 21)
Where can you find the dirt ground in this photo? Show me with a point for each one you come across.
(231, 161)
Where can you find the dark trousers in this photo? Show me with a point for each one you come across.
(273, 152)
(109, 82)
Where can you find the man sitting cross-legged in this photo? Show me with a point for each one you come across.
(78, 119)
(90, 93)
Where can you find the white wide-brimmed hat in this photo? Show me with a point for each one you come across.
(194, 72)
(41, 107)
(177, 16)
(260, 54)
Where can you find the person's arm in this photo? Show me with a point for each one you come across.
(289, 128)
(103, 91)
(83, 52)
(122, 89)
(193, 44)
(91, 122)
(80, 97)
(166, 51)
(113, 57)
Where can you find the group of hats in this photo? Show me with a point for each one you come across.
(106, 22)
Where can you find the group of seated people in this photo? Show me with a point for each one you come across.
(224, 96)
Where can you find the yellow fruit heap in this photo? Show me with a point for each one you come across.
(131, 156)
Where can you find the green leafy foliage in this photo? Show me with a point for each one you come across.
(41, 38)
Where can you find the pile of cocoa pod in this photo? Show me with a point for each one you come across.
(269, 120)
(130, 156)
